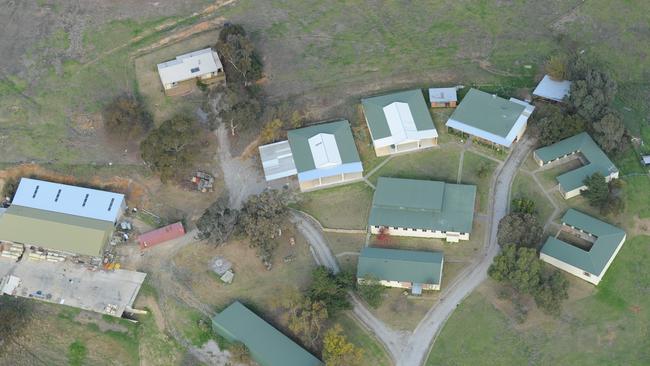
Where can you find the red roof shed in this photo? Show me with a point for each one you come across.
(161, 235)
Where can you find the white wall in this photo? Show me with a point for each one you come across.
(452, 237)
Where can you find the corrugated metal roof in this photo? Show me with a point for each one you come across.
(189, 65)
(161, 235)
(304, 158)
(267, 345)
(490, 117)
(552, 89)
(442, 95)
(608, 238)
(584, 144)
(67, 199)
(277, 160)
(378, 119)
(422, 204)
(324, 150)
(55, 231)
(401, 265)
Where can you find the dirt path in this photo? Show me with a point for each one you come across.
(242, 177)
(411, 348)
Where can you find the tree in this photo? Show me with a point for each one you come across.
(242, 63)
(307, 319)
(553, 125)
(523, 205)
(518, 267)
(240, 353)
(218, 221)
(271, 131)
(338, 351)
(597, 191)
(331, 289)
(261, 218)
(609, 132)
(126, 117)
(371, 291)
(519, 229)
(297, 119)
(615, 203)
(174, 147)
(556, 67)
(592, 97)
(551, 292)
(239, 110)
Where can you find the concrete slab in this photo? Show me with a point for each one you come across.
(66, 283)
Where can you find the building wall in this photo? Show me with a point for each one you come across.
(452, 237)
(330, 181)
(443, 105)
(406, 147)
(405, 285)
(591, 278)
(521, 132)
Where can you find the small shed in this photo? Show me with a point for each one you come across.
(443, 97)
(161, 235)
(645, 159)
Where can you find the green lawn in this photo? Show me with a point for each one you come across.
(374, 353)
(607, 328)
(524, 186)
(472, 174)
(343, 207)
(439, 163)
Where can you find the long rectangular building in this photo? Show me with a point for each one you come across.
(430, 209)
(267, 345)
(60, 217)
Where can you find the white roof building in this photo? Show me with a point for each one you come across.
(70, 200)
(402, 126)
(442, 95)
(189, 66)
(552, 89)
(277, 160)
(324, 150)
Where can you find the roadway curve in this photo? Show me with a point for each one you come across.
(411, 348)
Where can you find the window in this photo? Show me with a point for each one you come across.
(194, 70)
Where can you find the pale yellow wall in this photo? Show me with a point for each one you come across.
(345, 178)
(406, 147)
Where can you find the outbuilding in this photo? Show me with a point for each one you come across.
(203, 65)
(161, 235)
(443, 97)
(551, 89)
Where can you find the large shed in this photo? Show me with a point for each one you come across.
(553, 90)
(267, 345)
(421, 208)
(490, 118)
(161, 235)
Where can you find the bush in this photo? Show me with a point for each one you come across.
(126, 117)
(371, 291)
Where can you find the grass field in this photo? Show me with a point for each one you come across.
(524, 186)
(439, 163)
(608, 327)
(374, 354)
(343, 207)
(472, 174)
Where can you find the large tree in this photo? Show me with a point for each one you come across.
(126, 118)
(609, 133)
(556, 67)
(521, 229)
(307, 319)
(371, 291)
(331, 289)
(338, 351)
(239, 110)
(553, 124)
(261, 219)
(218, 221)
(517, 267)
(551, 292)
(597, 190)
(174, 147)
(592, 96)
(241, 62)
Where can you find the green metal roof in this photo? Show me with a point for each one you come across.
(55, 231)
(423, 204)
(584, 144)
(608, 237)
(267, 345)
(487, 112)
(373, 109)
(302, 156)
(401, 265)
